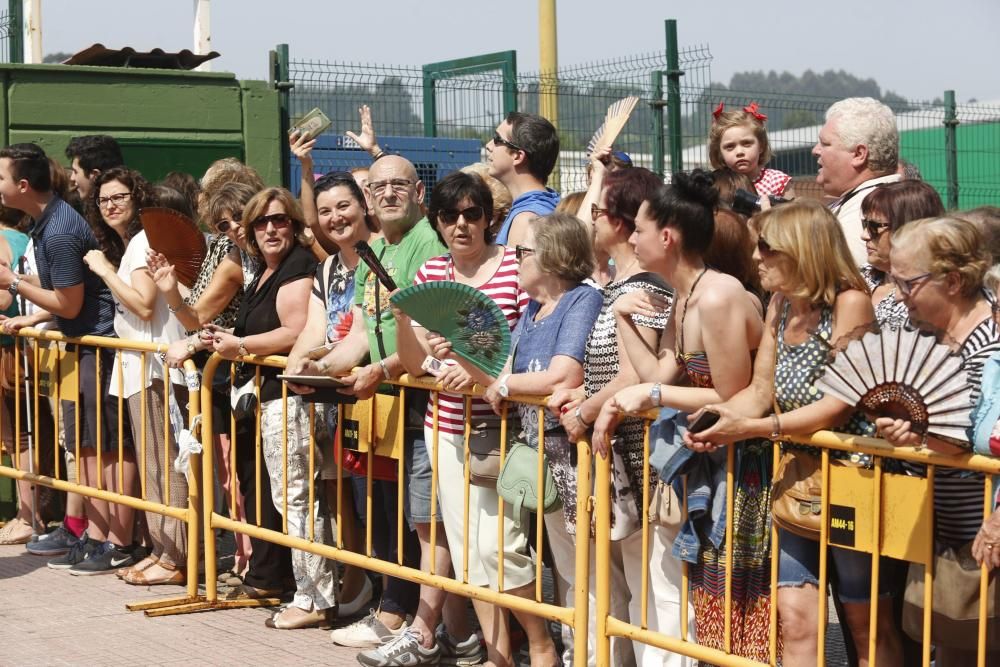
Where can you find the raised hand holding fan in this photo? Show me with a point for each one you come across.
(177, 238)
(471, 321)
(904, 374)
(618, 114)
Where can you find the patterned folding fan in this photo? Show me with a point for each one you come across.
(177, 238)
(904, 374)
(614, 121)
(471, 321)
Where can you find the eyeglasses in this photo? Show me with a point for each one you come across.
(116, 199)
(520, 251)
(874, 228)
(277, 220)
(223, 226)
(397, 185)
(596, 212)
(906, 285)
(450, 216)
(500, 141)
(763, 247)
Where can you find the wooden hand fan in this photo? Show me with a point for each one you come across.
(471, 321)
(618, 114)
(177, 238)
(904, 374)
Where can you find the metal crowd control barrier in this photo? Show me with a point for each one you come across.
(53, 372)
(908, 536)
(382, 432)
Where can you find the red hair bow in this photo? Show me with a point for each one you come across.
(718, 111)
(752, 109)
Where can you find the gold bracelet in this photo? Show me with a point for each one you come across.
(775, 426)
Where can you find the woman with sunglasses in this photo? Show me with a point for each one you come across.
(343, 218)
(884, 211)
(461, 209)
(270, 319)
(938, 266)
(818, 297)
(140, 314)
(215, 297)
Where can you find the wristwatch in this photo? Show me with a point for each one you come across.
(654, 394)
(12, 288)
(502, 389)
(191, 349)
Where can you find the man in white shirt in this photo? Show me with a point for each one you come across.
(858, 149)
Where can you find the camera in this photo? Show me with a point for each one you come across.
(748, 204)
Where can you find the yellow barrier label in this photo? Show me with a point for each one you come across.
(57, 371)
(387, 437)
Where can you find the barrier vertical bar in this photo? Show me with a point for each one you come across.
(100, 440)
(142, 434)
(644, 595)
(195, 508)
(824, 548)
(257, 445)
(876, 562)
(312, 471)
(500, 503)
(208, 486)
(232, 448)
(602, 501)
(166, 426)
(402, 483)
(467, 467)
(984, 580)
(928, 580)
(435, 435)
(121, 422)
(540, 511)
(772, 628)
(284, 455)
(584, 500)
(727, 636)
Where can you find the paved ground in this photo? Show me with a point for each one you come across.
(36, 605)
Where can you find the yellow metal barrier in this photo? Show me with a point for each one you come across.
(383, 435)
(54, 373)
(908, 500)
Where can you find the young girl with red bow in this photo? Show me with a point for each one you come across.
(738, 142)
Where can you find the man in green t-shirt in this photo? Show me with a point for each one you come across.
(409, 240)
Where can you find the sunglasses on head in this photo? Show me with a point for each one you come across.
(277, 220)
(450, 216)
(500, 141)
(874, 228)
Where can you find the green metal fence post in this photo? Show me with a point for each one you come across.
(15, 31)
(657, 104)
(674, 74)
(951, 148)
(430, 103)
(509, 73)
(281, 82)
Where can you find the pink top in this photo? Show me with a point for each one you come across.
(772, 182)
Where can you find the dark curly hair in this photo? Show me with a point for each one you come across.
(111, 244)
(688, 204)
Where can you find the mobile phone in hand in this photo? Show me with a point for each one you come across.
(432, 366)
(705, 421)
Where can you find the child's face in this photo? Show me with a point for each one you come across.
(741, 150)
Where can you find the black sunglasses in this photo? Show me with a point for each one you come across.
(277, 220)
(764, 247)
(500, 141)
(223, 226)
(450, 216)
(874, 228)
(520, 251)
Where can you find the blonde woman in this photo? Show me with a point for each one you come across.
(818, 297)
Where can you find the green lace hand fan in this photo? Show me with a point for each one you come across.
(468, 319)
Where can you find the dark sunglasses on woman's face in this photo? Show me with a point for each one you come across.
(450, 216)
(277, 220)
(521, 251)
(223, 226)
(874, 228)
(763, 247)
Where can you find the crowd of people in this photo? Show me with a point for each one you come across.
(633, 295)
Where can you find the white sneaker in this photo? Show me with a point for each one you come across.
(404, 649)
(354, 607)
(369, 632)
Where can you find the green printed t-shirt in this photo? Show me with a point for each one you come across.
(401, 261)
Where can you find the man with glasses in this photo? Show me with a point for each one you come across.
(395, 194)
(521, 155)
(858, 149)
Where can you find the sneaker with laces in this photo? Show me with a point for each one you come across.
(56, 543)
(369, 632)
(105, 559)
(401, 651)
(79, 551)
(464, 653)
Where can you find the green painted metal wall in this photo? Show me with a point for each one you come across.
(978, 167)
(164, 120)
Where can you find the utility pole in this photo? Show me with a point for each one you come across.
(202, 32)
(548, 84)
(32, 31)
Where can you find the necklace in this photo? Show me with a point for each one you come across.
(620, 275)
(679, 351)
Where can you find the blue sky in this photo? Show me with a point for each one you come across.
(917, 49)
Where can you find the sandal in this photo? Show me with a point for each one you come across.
(294, 618)
(146, 563)
(16, 531)
(146, 578)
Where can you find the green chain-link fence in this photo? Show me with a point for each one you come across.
(469, 97)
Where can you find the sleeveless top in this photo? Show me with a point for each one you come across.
(796, 369)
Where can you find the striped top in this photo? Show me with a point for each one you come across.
(505, 291)
(958, 496)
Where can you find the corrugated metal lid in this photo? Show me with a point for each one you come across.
(101, 56)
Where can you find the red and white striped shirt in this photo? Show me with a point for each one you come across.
(504, 289)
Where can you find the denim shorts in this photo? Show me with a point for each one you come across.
(798, 564)
(417, 502)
